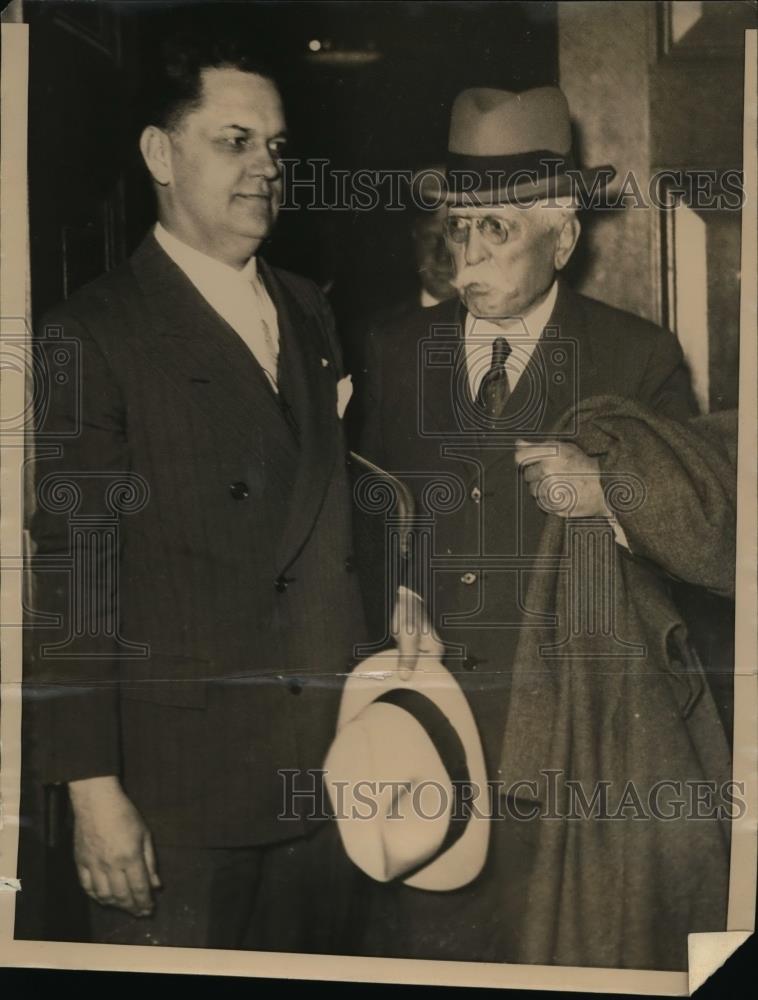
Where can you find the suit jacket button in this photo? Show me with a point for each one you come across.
(295, 686)
(280, 584)
(239, 491)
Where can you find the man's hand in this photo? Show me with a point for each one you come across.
(412, 632)
(562, 479)
(113, 848)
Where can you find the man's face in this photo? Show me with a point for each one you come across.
(432, 258)
(503, 279)
(226, 183)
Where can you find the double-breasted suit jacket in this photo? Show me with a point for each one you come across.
(420, 423)
(210, 618)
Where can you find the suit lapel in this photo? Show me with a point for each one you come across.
(206, 360)
(547, 387)
(312, 387)
(203, 356)
(560, 371)
(444, 379)
(568, 365)
(559, 367)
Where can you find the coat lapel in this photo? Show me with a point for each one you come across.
(567, 359)
(203, 356)
(549, 385)
(560, 371)
(444, 380)
(311, 384)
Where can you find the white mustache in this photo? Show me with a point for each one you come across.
(484, 274)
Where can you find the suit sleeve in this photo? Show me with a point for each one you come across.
(666, 385)
(72, 664)
(370, 527)
(369, 403)
(666, 389)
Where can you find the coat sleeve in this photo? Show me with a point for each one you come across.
(666, 389)
(71, 651)
(369, 402)
(371, 541)
(666, 386)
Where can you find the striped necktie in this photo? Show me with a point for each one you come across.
(494, 389)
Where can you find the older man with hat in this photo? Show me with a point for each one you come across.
(462, 402)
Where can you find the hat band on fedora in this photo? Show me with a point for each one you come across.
(448, 745)
(508, 170)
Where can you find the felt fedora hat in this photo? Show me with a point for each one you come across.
(506, 148)
(406, 776)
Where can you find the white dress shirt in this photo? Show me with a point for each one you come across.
(522, 334)
(238, 296)
(427, 300)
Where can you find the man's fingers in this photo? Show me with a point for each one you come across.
(396, 625)
(533, 472)
(136, 875)
(102, 887)
(407, 648)
(407, 623)
(408, 613)
(412, 631)
(526, 453)
(431, 644)
(85, 880)
(123, 897)
(525, 457)
(148, 852)
(424, 642)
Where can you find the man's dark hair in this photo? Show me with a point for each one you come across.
(173, 85)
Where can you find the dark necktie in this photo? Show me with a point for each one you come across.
(494, 389)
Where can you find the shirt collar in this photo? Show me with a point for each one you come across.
(199, 266)
(427, 300)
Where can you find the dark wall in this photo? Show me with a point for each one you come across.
(389, 113)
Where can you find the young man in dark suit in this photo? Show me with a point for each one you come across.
(460, 401)
(198, 662)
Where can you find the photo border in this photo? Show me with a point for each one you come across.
(14, 294)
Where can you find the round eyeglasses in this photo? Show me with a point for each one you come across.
(492, 229)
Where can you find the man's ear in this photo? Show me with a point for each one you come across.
(155, 147)
(568, 237)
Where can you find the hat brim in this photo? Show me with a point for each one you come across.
(464, 860)
(581, 185)
(383, 833)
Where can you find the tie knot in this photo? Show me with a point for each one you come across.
(500, 351)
